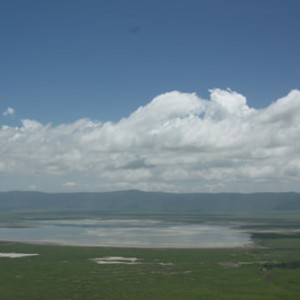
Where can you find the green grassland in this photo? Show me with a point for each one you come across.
(270, 269)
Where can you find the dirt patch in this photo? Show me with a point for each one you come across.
(230, 265)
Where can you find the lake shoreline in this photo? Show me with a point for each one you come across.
(250, 245)
(127, 234)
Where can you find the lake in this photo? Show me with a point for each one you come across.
(125, 233)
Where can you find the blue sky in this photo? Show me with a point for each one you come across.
(62, 61)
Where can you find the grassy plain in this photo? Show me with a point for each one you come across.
(270, 269)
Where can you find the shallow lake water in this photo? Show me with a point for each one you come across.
(125, 233)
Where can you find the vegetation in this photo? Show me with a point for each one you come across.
(268, 270)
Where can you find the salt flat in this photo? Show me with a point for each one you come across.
(17, 255)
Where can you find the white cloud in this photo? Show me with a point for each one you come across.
(69, 184)
(28, 125)
(32, 187)
(178, 142)
(9, 112)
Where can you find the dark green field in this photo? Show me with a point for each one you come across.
(268, 270)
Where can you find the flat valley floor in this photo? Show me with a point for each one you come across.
(269, 269)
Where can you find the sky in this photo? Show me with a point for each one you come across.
(179, 96)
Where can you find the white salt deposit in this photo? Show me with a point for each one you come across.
(116, 260)
(16, 255)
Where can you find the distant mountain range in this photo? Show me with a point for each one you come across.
(138, 202)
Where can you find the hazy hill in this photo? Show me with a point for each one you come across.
(138, 202)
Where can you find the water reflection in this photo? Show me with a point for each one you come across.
(126, 233)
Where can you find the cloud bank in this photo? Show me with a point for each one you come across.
(178, 142)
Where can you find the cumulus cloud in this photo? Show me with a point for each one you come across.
(178, 142)
(9, 112)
